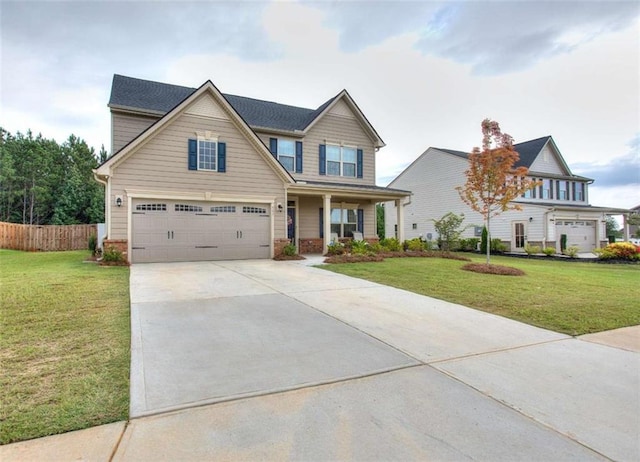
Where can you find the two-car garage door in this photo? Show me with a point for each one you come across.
(165, 231)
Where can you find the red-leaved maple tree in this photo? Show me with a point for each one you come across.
(493, 181)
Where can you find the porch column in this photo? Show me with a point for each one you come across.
(400, 219)
(625, 227)
(326, 211)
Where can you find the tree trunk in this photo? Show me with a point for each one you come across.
(488, 238)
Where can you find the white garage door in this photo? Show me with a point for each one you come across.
(579, 233)
(165, 231)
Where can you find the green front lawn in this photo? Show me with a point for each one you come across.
(569, 297)
(64, 344)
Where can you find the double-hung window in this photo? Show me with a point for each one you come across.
(207, 155)
(287, 154)
(579, 192)
(546, 189)
(344, 222)
(563, 190)
(341, 160)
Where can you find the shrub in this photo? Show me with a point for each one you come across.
(93, 244)
(572, 251)
(289, 250)
(619, 251)
(531, 249)
(483, 240)
(360, 248)
(335, 248)
(548, 251)
(497, 246)
(414, 245)
(469, 245)
(449, 229)
(391, 244)
(376, 247)
(112, 255)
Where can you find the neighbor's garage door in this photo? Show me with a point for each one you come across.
(579, 233)
(165, 231)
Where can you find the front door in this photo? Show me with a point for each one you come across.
(291, 223)
(519, 238)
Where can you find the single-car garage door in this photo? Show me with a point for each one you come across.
(579, 233)
(165, 231)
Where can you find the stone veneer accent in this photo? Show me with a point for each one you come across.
(120, 244)
(279, 245)
(311, 245)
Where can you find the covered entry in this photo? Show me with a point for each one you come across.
(167, 231)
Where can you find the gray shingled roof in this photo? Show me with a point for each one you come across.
(159, 97)
(527, 150)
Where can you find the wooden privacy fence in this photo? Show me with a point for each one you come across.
(45, 237)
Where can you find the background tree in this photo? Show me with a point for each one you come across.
(613, 229)
(493, 181)
(42, 182)
(380, 220)
(449, 229)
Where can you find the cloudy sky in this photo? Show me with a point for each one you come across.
(425, 73)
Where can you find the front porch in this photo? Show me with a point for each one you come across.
(318, 213)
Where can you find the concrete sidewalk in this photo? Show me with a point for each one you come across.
(306, 364)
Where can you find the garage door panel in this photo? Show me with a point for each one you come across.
(580, 233)
(199, 231)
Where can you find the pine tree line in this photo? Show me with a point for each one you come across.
(46, 183)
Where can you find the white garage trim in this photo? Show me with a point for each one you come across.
(208, 197)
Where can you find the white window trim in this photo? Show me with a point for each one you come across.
(206, 136)
(292, 156)
(341, 146)
(343, 206)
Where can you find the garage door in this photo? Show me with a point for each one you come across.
(165, 231)
(579, 233)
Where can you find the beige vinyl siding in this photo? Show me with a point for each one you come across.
(547, 162)
(161, 165)
(126, 127)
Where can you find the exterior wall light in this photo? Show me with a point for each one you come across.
(119, 201)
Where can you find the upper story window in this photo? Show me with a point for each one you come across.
(288, 152)
(546, 189)
(337, 160)
(207, 154)
(563, 190)
(578, 195)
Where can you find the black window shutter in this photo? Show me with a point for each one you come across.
(273, 146)
(321, 223)
(298, 156)
(573, 190)
(193, 155)
(361, 221)
(323, 159)
(359, 164)
(222, 157)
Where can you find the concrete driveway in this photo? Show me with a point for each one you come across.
(263, 360)
(309, 364)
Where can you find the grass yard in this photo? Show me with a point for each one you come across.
(64, 344)
(568, 297)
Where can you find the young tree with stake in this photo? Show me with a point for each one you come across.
(492, 180)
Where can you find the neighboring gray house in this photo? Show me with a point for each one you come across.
(199, 175)
(559, 206)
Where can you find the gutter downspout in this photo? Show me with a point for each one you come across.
(107, 202)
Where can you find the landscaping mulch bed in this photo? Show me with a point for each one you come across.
(493, 269)
(283, 257)
(350, 258)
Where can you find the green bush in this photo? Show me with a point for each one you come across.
(414, 245)
(112, 255)
(469, 245)
(497, 246)
(484, 240)
(360, 248)
(376, 247)
(93, 244)
(391, 244)
(572, 251)
(531, 249)
(335, 248)
(548, 251)
(289, 250)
